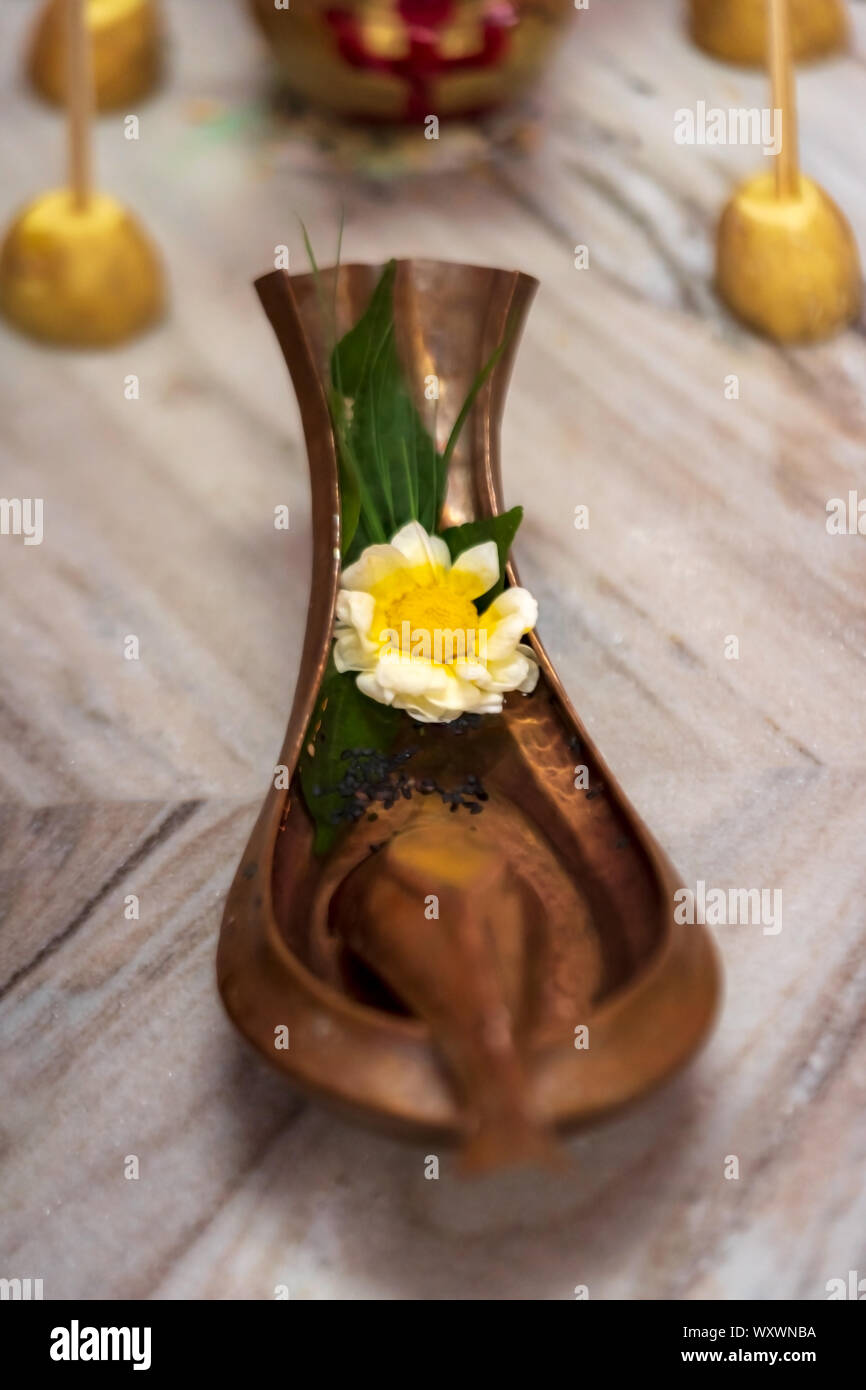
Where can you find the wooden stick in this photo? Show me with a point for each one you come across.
(79, 99)
(784, 98)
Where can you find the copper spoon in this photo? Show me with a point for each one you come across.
(555, 984)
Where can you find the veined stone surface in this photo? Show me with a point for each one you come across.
(707, 520)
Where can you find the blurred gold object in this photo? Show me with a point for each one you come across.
(404, 60)
(736, 30)
(126, 47)
(85, 276)
(75, 267)
(786, 258)
(788, 266)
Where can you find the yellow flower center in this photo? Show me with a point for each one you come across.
(430, 610)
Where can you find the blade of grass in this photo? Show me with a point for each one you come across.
(477, 384)
(410, 486)
(470, 400)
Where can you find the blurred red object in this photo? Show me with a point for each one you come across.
(410, 59)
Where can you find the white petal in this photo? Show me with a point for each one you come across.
(356, 608)
(489, 703)
(457, 695)
(375, 564)
(505, 674)
(425, 711)
(469, 670)
(472, 700)
(432, 710)
(420, 549)
(411, 675)
(517, 671)
(478, 569)
(531, 681)
(368, 685)
(508, 618)
(351, 654)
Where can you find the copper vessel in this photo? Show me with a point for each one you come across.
(598, 994)
(408, 59)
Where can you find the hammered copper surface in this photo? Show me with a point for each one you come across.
(556, 905)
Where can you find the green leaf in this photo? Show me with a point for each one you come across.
(390, 473)
(349, 720)
(350, 359)
(350, 478)
(502, 529)
(387, 447)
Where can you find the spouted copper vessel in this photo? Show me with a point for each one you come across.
(554, 984)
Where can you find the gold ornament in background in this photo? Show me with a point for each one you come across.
(75, 267)
(85, 276)
(126, 51)
(737, 32)
(786, 259)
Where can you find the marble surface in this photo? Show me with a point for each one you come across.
(707, 520)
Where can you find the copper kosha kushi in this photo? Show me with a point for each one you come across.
(442, 962)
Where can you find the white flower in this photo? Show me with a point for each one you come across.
(406, 621)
